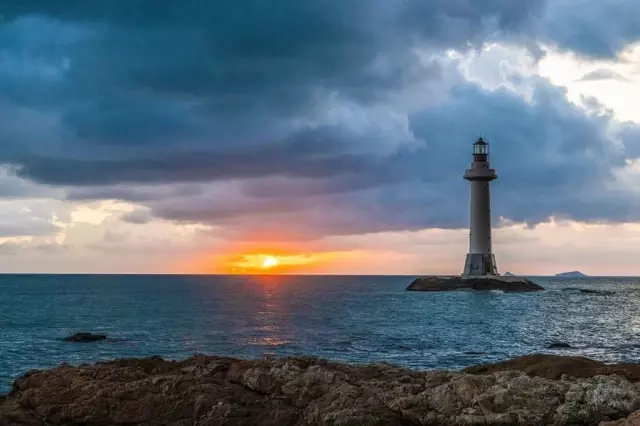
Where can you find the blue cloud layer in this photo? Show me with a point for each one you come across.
(335, 116)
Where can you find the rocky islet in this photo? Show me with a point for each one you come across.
(507, 284)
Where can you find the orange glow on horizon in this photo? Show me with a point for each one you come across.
(265, 254)
(270, 262)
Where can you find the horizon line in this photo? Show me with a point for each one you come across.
(289, 274)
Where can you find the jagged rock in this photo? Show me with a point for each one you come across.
(85, 337)
(483, 283)
(207, 390)
(602, 399)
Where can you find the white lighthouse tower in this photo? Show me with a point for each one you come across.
(480, 270)
(480, 260)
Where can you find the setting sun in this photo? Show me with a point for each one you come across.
(269, 262)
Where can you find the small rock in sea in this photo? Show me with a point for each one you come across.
(485, 283)
(559, 345)
(85, 337)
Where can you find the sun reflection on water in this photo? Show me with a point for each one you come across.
(272, 316)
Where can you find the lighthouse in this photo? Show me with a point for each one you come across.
(480, 270)
(480, 260)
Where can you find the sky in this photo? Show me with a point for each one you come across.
(227, 136)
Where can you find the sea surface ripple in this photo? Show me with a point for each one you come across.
(349, 318)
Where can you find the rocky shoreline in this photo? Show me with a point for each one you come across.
(208, 390)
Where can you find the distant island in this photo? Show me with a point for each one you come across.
(572, 274)
(509, 274)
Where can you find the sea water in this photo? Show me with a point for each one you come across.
(347, 318)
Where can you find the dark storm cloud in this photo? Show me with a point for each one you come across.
(192, 166)
(593, 27)
(553, 159)
(251, 51)
(278, 103)
(218, 74)
(134, 194)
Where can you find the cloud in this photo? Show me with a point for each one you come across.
(593, 28)
(137, 217)
(141, 102)
(133, 193)
(9, 248)
(30, 218)
(554, 159)
(310, 119)
(629, 134)
(13, 187)
(603, 74)
(26, 248)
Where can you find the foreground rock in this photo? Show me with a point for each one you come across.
(206, 390)
(632, 420)
(85, 337)
(554, 367)
(484, 283)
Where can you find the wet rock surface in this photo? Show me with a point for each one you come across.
(207, 390)
(482, 283)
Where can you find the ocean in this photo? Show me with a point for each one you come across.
(348, 318)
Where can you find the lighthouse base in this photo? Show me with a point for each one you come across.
(479, 264)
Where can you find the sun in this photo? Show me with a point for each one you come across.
(269, 262)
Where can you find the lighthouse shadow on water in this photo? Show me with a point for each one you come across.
(480, 268)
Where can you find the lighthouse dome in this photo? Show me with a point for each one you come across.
(481, 147)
